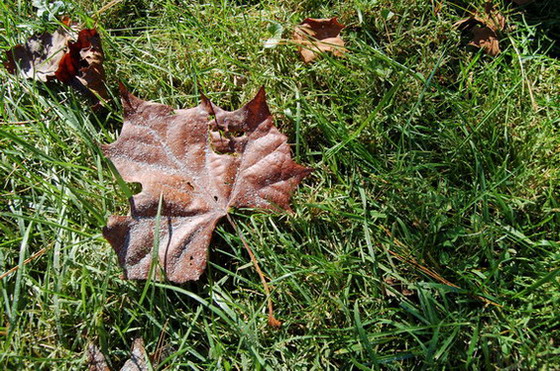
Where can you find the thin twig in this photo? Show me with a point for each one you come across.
(271, 320)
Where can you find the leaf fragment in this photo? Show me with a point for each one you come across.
(275, 29)
(82, 67)
(67, 55)
(95, 359)
(39, 57)
(316, 35)
(138, 359)
(202, 161)
(486, 39)
(484, 27)
(396, 285)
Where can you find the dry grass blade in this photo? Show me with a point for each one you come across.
(428, 271)
(25, 262)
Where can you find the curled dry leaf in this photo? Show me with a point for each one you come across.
(57, 56)
(484, 27)
(39, 57)
(82, 66)
(138, 360)
(202, 161)
(318, 35)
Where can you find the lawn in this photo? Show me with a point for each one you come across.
(427, 236)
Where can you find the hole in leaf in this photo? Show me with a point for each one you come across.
(135, 188)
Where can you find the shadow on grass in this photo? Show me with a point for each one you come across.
(545, 15)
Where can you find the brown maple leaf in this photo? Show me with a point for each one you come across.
(201, 161)
(314, 36)
(56, 56)
(484, 27)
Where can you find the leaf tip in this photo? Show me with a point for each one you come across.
(130, 102)
(262, 92)
(122, 89)
(257, 109)
(205, 103)
(116, 231)
(334, 21)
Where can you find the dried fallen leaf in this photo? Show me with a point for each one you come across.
(95, 359)
(484, 27)
(39, 57)
(137, 361)
(82, 66)
(318, 35)
(486, 39)
(398, 286)
(53, 56)
(202, 161)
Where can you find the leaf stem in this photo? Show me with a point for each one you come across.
(271, 320)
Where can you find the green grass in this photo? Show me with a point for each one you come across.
(421, 147)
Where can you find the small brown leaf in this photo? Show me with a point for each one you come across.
(484, 27)
(47, 57)
(95, 359)
(398, 286)
(486, 39)
(40, 56)
(202, 161)
(318, 35)
(138, 360)
(492, 18)
(82, 66)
